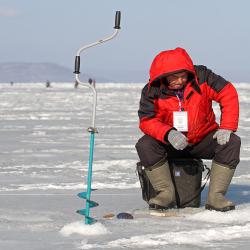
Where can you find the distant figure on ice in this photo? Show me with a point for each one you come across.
(91, 82)
(177, 119)
(48, 84)
(11, 83)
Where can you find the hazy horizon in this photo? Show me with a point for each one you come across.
(102, 75)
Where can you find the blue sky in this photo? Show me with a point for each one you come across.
(215, 33)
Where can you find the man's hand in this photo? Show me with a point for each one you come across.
(222, 135)
(177, 139)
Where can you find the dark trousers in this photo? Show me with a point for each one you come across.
(151, 151)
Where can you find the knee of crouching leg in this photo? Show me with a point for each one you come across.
(235, 143)
(144, 142)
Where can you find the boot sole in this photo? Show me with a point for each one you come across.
(224, 209)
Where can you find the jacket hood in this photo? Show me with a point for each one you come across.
(170, 61)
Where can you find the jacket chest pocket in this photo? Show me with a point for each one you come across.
(169, 104)
(197, 115)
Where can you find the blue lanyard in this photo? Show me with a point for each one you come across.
(179, 95)
(180, 108)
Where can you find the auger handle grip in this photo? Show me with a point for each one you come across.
(117, 19)
(77, 65)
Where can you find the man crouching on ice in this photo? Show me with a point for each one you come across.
(177, 119)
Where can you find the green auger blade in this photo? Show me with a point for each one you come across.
(82, 211)
(90, 220)
(82, 195)
(92, 203)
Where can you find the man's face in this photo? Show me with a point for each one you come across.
(177, 81)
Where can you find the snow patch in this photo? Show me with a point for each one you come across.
(79, 227)
(240, 215)
(188, 237)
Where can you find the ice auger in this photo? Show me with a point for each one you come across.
(92, 129)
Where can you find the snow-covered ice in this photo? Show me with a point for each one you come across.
(44, 156)
(79, 227)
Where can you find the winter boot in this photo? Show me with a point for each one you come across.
(220, 179)
(160, 177)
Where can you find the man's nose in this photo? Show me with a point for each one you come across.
(181, 79)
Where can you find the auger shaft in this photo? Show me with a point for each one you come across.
(91, 153)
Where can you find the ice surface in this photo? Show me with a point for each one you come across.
(43, 165)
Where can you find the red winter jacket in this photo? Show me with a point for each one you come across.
(158, 102)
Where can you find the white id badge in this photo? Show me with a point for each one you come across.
(181, 120)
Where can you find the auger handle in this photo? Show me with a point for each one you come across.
(77, 61)
(117, 20)
(77, 65)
